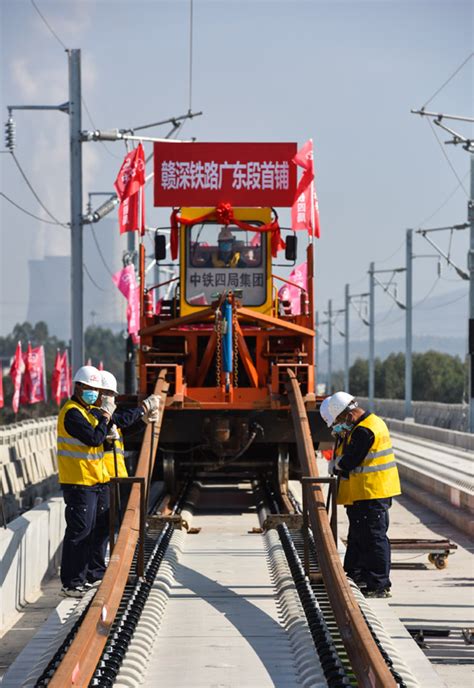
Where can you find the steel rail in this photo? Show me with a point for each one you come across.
(367, 662)
(79, 663)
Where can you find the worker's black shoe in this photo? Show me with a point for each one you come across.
(383, 592)
(79, 591)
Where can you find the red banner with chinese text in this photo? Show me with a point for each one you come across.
(207, 174)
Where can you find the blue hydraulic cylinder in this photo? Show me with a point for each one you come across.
(227, 337)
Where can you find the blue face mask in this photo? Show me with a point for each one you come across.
(89, 396)
(340, 428)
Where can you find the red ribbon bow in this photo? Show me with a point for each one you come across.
(224, 213)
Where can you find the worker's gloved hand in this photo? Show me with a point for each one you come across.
(108, 405)
(151, 416)
(112, 433)
(151, 403)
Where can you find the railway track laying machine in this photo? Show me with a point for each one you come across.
(231, 322)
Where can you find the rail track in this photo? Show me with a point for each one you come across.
(257, 596)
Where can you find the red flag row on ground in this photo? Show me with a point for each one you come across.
(305, 209)
(28, 375)
(129, 187)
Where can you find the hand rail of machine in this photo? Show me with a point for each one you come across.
(79, 663)
(367, 662)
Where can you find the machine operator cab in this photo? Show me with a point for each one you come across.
(218, 258)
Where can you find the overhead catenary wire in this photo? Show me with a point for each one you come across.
(190, 54)
(27, 212)
(53, 32)
(453, 169)
(91, 278)
(100, 251)
(446, 200)
(31, 188)
(458, 69)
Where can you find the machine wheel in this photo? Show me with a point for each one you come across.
(169, 472)
(432, 558)
(441, 561)
(283, 467)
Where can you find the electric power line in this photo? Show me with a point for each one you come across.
(448, 80)
(27, 212)
(448, 198)
(91, 278)
(99, 250)
(48, 25)
(190, 54)
(30, 186)
(447, 157)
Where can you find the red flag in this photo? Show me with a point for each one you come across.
(126, 281)
(299, 275)
(33, 388)
(305, 209)
(101, 365)
(129, 186)
(16, 373)
(61, 384)
(56, 378)
(2, 402)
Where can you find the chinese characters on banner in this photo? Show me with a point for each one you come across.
(201, 285)
(126, 282)
(290, 293)
(242, 174)
(305, 209)
(129, 186)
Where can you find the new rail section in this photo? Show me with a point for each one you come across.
(348, 653)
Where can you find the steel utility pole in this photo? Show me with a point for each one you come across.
(329, 389)
(346, 341)
(75, 142)
(409, 325)
(316, 343)
(470, 263)
(371, 337)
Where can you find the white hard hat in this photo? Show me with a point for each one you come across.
(88, 375)
(324, 411)
(109, 382)
(334, 405)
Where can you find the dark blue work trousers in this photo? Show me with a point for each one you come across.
(87, 530)
(368, 553)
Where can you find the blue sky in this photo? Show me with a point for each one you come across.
(344, 73)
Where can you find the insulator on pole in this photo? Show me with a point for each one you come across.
(10, 138)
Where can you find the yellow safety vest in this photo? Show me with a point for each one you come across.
(110, 460)
(232, 263)
(343, 490)
(377, 475)
(78, 463)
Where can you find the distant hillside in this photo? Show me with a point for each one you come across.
(439, 323)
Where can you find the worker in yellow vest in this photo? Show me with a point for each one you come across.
(148, 411)
(367, 459)
(84, 479)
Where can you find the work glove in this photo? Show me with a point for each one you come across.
(151, 403)
(108, 405)
(112, 433)
(151, 416)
